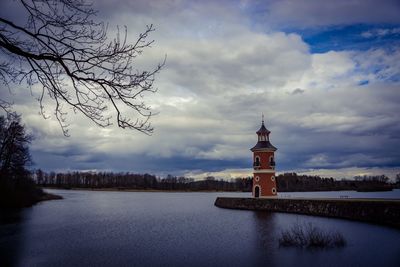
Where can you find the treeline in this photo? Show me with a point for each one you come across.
(124, 181)
(287, 182)
(292, 182)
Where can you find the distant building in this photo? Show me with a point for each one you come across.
(264, 184)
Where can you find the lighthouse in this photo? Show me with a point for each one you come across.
(264, 184)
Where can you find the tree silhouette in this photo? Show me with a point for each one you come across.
(14, 147)
(62, 48)
(17, 188)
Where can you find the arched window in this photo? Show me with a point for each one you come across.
(271, 161)
(257, 162)
(257, 191)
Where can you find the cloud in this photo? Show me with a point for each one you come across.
(381, 32)
(222, 73)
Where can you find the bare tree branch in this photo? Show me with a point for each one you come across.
(68, 53)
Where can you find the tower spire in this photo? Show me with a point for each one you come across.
(262, 116)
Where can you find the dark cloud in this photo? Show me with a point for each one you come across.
(289, 14)
(151, 164)
(297, 91)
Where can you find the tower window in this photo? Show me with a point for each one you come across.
(262, 138)
(257, 191)
(272, 161)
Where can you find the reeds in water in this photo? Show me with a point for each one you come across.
(310, 236)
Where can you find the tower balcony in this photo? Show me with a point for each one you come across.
(272, 163)
(256, 165)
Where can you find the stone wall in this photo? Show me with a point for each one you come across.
(370, 210)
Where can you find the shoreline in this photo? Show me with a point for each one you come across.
(11, 213)
(378, 211)
(48, 196)
(142, 190)
(116, 189)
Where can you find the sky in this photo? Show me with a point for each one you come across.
(325, 74)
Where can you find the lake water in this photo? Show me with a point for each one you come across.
(89, 228)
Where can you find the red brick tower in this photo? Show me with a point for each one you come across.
(264, 184)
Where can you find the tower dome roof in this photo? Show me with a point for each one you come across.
(263, 143)
(263, 130)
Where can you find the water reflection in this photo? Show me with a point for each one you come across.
(265, 227)
(265, 230)
(10, 236)
(10, 216)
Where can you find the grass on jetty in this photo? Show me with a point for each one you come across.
(310, 236)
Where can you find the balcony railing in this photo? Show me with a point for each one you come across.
(272, 163)
(256, 165)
